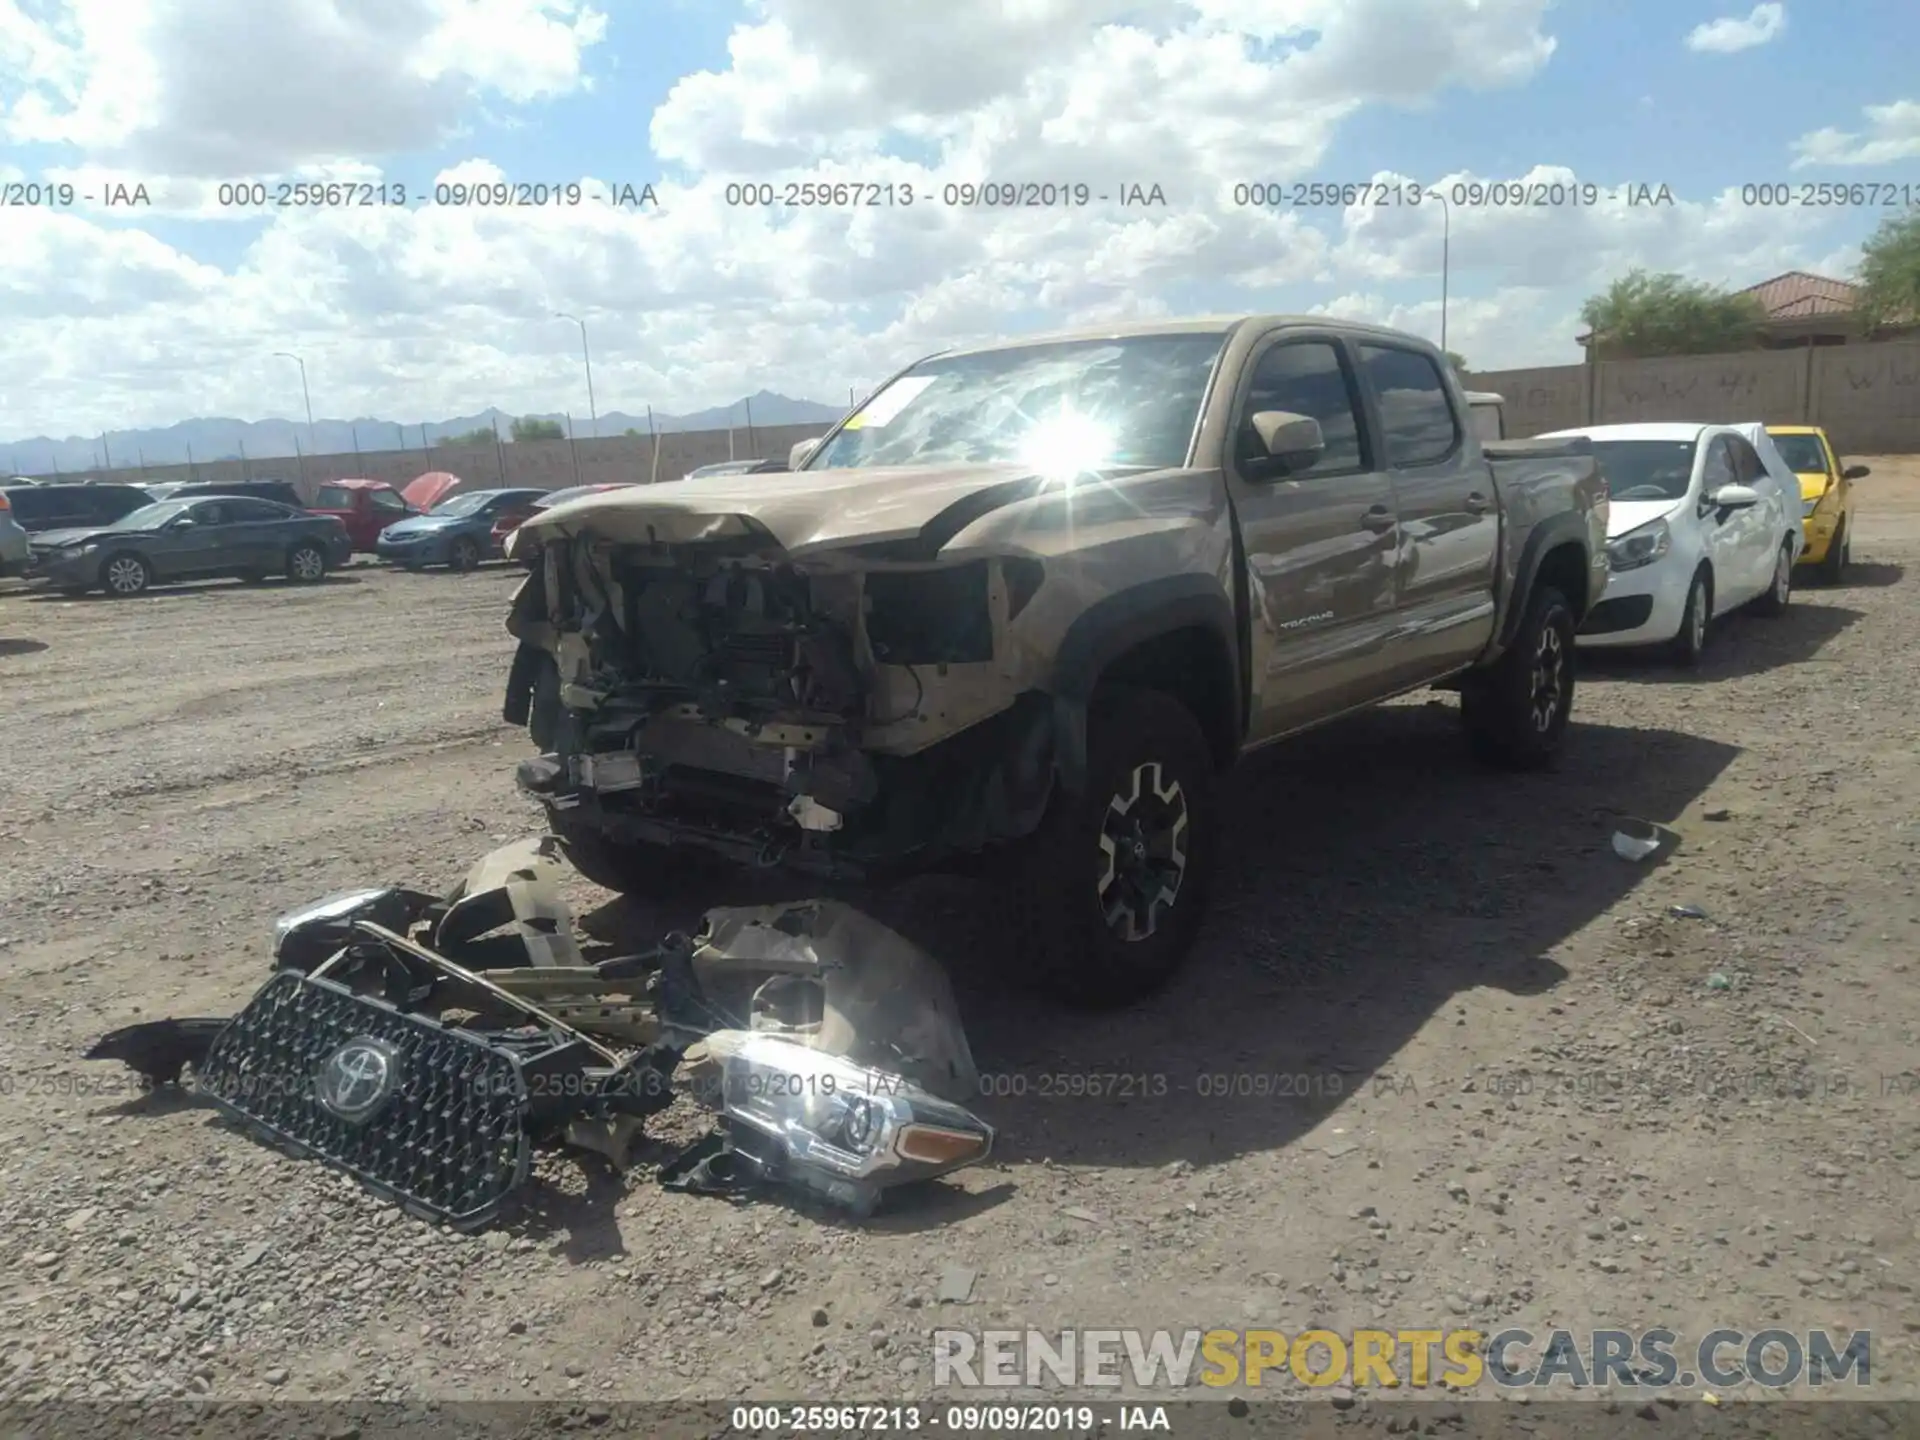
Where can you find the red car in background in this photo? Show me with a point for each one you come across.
(365, 507)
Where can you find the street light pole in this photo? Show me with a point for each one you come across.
(593, 415)
(1446, 257)
(305, 394)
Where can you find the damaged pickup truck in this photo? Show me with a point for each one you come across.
(1029, 600)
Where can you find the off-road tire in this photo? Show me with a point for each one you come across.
(1516, 711)
(1143, 746)
(1832, 569)
(463, 554)
(306, 564)
(629, 867)
(125, 575)
(1689, 647)
(1778, 595)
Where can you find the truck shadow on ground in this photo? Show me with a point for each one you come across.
(16, 646)
(1371, 873)
(1739, 646)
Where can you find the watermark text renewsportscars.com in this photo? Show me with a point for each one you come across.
(1451, 1359)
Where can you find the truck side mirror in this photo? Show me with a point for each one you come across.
(802, 452)
(1292, 441)
(1856, 472)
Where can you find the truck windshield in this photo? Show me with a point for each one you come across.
(1646, 469)
(1114, 403)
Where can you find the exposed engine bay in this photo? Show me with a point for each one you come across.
(428, 1046)
(720, 696)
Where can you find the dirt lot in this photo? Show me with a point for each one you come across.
(1426, 990)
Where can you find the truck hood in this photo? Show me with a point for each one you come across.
(801, 511)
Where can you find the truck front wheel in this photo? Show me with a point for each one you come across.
(1516, 710)
(1110, 891)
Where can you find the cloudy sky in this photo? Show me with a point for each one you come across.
(118, 315)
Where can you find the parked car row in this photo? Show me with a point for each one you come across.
(122, 539)
(1708, 519)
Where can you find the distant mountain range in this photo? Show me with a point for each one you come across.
(223, 439)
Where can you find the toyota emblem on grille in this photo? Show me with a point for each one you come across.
(356, 1079)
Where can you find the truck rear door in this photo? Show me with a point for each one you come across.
(1449, 514)
(1320, 542)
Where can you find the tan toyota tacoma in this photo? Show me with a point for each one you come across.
(1026, 603)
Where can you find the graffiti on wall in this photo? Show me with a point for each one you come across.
(1899, 372)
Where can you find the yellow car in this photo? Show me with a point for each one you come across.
(1826, 497)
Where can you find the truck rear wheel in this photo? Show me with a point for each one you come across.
(1516, 711)
(1110, 892)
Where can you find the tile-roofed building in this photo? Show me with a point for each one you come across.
(1805, 309)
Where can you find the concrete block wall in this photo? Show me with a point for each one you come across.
(537, 464)
(1867, 396)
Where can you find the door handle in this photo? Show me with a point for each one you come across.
(1379, 520)
(1477, 503)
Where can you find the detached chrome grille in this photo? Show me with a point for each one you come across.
(449, 1140)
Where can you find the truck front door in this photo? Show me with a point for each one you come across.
(1320, 542)
(1449, 514)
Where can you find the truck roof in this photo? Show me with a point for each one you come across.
(1194, 325)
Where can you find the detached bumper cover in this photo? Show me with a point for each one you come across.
(435, 1119)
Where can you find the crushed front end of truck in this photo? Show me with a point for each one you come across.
(698, 685)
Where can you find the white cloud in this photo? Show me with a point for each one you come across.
(1892, 133)
(1084, 89)
(423, 312)
(1730, 34)
(235, 87)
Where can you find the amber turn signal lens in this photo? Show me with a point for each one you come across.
(933, 1146)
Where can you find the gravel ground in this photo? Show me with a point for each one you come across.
(1476, 1068)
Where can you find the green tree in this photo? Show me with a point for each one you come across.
(1643, 315)
(1889, 273)
(630, 430)
(481, 436)
(1457, 361)
(529, 428)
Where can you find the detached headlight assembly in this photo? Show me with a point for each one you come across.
(1640, 547)
(306, 938)
(833, 1127)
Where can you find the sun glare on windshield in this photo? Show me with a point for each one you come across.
(1066, 445)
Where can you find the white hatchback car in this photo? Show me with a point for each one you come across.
(1704, 519)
